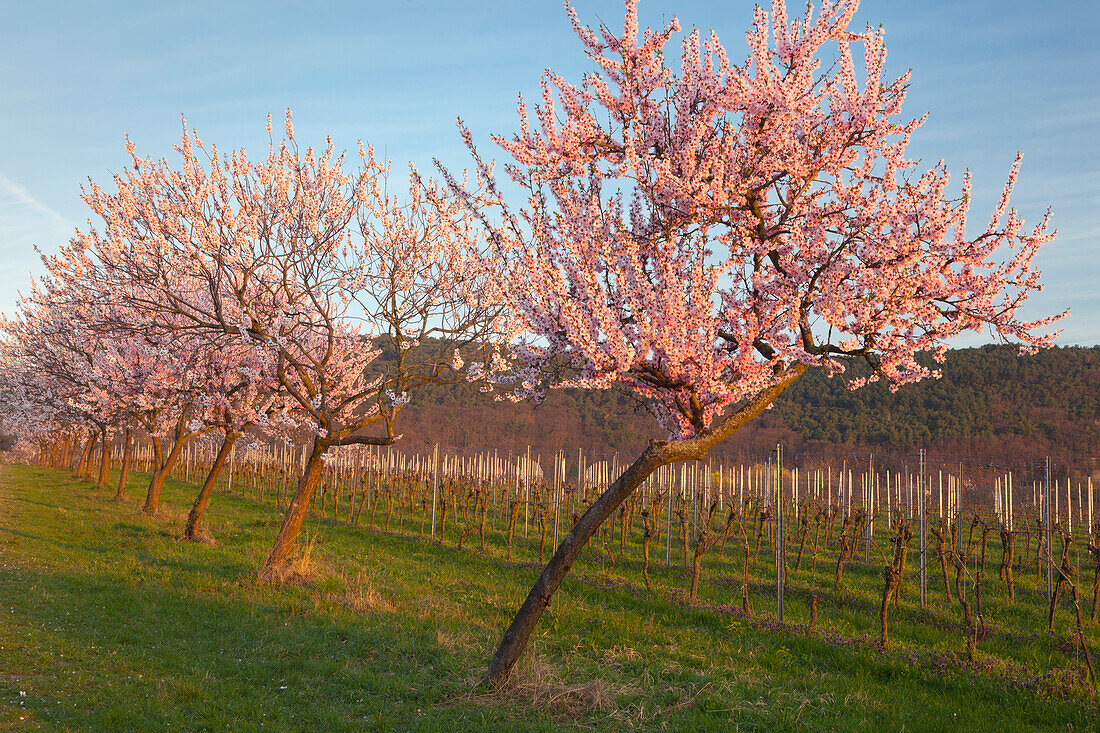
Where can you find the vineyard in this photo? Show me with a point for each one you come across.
(848, 564)
(930, 531)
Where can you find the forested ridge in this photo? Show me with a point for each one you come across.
(990, 402)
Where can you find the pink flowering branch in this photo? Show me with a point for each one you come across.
(688, 229)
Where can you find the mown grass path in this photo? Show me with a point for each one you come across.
(109, 621)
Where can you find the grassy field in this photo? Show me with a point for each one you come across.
(109, 621)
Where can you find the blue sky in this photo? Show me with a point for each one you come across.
(996, 76)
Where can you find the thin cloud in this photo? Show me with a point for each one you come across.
(24, 222)
(17, 206)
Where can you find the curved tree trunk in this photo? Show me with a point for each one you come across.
(104, 459)
(124, 469)
(516, 637)
(208, 485)
(659, 453)
(281, 552)
(156, 483)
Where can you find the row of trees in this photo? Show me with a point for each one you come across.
(698, 235)
(229, 295)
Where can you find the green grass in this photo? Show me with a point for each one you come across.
(109, 621)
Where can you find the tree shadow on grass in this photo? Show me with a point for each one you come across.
(148, 657)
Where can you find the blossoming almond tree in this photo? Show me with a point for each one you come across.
(703, 235)
(45, 405)
(61, 378)
(92, 360)
(302, 262)
(34, 402)
(157, 382)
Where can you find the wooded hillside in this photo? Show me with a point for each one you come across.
(991, 403)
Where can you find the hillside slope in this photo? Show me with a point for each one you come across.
(990, 403)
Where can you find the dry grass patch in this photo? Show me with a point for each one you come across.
(306, 568)
(537, 683)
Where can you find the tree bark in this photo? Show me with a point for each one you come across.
(968, 619)
(124, 469)
(702, 544)
(805, 531)
(519, 632)
(85, 457)
(659, 453)
(72, 460)
(282, 550)
(891, 580)
(77, 453)
(165, 466)
(1008, 543)
(195, 515)
(104, 459)
(943, 564)
(845, 552)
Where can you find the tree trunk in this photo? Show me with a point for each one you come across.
(208, 485)
(726, 531)
(60, 452)
(1081, 636)
(892, 578)
(86, 456)
(659, 453)
(362, 500)
(1065, 573)
(938, 533)
(512, 525)
(702, 544)
(538, 600)
(968, 620)
(73, 461)
(279, 558)
(156, 483)
(845, 552)
(104, 459)
(152, 494)
(1008, 540)
(124, 469)
(802, 541)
